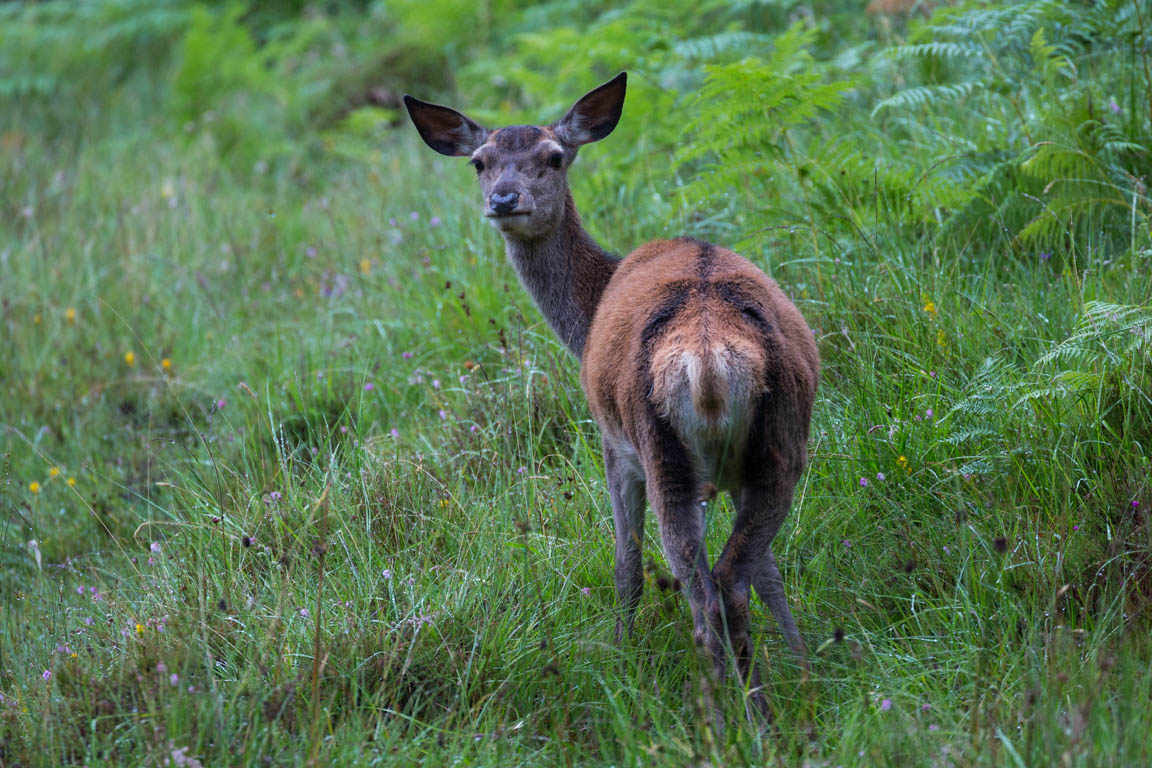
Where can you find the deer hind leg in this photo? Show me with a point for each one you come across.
(626, 488)
(759, 514)
(674, 497)
(770, 587)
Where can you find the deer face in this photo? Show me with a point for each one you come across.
(522, 172)
(522, 169)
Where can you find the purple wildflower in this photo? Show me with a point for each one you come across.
(406, 355)
(173, 680)
(1045, 255)
(1112, 105)
(885, 705)
(395, 433)
(161, 667)
(929, 413)
(46, 674)
(387, 574)
(434, 221)
(880, 476)
(863, 482)
(585, 591)
(369, 386)
(415, 216)
(220, 404)
(847, 543)
(304, 613)
(154, 546)
(443, 414)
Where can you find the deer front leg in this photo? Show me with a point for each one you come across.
(626, 488)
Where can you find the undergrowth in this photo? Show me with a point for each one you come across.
(293, 471)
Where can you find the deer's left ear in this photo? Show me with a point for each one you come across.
(595, 115)
(447, 131)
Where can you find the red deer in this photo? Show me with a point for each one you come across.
(698, 369)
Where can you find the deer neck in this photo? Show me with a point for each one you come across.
(566, 273)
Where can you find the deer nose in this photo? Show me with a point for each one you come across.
(504, 202)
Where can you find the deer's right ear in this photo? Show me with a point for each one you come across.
(445, 130)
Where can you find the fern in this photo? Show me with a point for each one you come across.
(745, 111)
(1108, 355)
(1058, 165)
(978, 419)
(922, 95)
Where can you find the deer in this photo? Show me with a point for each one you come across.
(699, 371)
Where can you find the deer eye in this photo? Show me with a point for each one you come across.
(478, 165)
(556, 159)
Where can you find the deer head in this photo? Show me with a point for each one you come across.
(522, 169)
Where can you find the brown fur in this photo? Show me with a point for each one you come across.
(698, 369)
(713, 300)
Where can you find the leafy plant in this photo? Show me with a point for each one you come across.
(1053, 153)
(741, 146)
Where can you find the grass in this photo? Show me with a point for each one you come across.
(360, 518)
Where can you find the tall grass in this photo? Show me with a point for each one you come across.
(359, 515)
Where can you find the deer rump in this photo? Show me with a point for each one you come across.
(706, 381)
(689, 338)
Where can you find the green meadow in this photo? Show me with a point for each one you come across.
(292, 472)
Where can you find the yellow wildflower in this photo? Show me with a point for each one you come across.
(166, 364)
(71, 482)
(34, 487)
(54, 472)
(365, 265)
(139, 628)
(130, 359)
(70, 315)
(903, 462)
(73, 655)
(930, 307)
(36, 319)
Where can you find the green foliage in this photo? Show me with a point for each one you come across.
(740, 132)
(1108, 355)
(1045, 75)
(381, 529)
